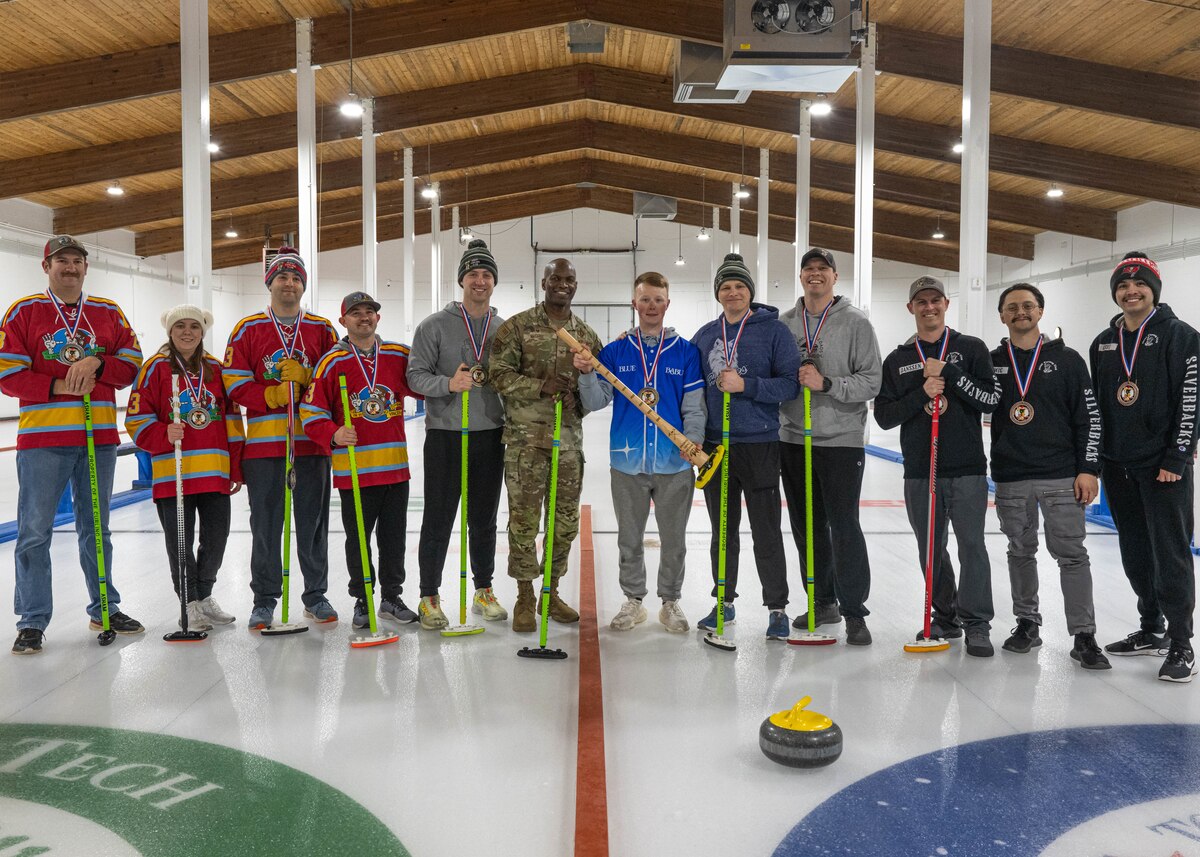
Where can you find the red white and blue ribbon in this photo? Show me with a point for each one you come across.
(373, 360)
(731, 350)
(290, 344)
(941, 351)
(810, 339)
(1137, 343)
(199, 392)
(476, 347)
(651, 373)
(59, 307)
(1023, 383)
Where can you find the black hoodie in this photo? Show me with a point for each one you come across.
(1158, 431)
(1063, 438)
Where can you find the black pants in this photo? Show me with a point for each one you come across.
(387, 506)
(754, 471)
(202, 564)
(310, 526)
(1154, 528)
(841, 569)
(443, 492)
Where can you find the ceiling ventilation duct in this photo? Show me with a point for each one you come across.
(790, 45)
(585, 37)
(648, 206)
(698, 67)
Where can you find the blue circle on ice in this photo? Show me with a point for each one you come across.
(1096, 790)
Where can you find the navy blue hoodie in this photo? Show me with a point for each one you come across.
(767, 359)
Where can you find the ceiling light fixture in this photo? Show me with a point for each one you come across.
(213, 148)
(742, 191)
(465, 235)
(231, 232)
(115, 189)
(352, 107)
(429, 191)
(938, 234)
(958, 148)
(703, 234)
(1055, 192)
(820, 107)
(679, 261)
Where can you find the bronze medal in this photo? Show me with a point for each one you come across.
(649, 395)
(479, 375)
(372, 406)
(198, 418)
(943, 403)
(1021, 413)
(1127, 393)
(71, 353)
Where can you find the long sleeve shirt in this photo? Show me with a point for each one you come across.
(440, 346)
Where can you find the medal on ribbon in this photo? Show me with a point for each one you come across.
(648, 394)
(729, 350)
(73, 349)
(198, 417)
(942, 401)
(1128, 392)
(371, 405)
(810, 339)
(1021, 413)
(290, 343)
(479, 373)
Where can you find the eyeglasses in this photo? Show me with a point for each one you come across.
(1028, 306)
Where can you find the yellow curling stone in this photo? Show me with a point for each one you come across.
(799, 738)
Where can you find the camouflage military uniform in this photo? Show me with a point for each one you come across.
(525, 353)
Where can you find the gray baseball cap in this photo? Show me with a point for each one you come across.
(922, 283)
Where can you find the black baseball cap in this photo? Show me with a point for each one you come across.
(818, 253)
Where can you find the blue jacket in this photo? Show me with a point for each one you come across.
(636, 444)
(767, 359)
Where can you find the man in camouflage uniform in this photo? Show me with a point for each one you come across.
(531, 368)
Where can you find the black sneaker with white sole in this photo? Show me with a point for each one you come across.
(1139, 643)
(29, 641)
(1180, 664)
(120, 623)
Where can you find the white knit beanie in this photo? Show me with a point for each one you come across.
(186, 311)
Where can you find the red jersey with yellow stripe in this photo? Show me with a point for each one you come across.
(381, 453)
(212, 436)
(255, 348)
(36, 348)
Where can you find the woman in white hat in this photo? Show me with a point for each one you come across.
(212, 436)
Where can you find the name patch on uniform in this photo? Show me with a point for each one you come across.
(912, 367)
(1001, 370)
(1107, 346)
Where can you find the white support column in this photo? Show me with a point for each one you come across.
(435, 240)
(803, 188)
(712, 250)
(369, 245)
(197, 199)
(410, 260)
(735, 221)
(764, 222)
(972, 235)
(864, 177)
(306, 158)
(454, 224)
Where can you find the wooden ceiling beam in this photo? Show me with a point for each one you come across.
(1158, 98)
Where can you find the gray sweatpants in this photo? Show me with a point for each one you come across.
(961, 501)
(672, 495)
(1017, 504)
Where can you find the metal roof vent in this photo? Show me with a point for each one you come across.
(649, 206)
(698, 67)
(790, 45)
(585, 37)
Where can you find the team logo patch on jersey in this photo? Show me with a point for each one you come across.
(376, 406)
(69, 348)
(271, 363)
(1150, 340)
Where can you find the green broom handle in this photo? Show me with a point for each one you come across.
(549, 547)
(101, 574)
(462, 538)
(358, 516)
(724, 541)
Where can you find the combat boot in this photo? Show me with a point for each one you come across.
(524, 615)
(560, 611)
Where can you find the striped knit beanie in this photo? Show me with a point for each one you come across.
(477, 255)
(733, 268)
(1135, 266)
(288, 259)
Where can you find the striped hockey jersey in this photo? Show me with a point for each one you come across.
(382, 449)
(212, 437)
(36, 349)
(254, 349)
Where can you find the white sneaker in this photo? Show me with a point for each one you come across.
(430, 611)
(485, 604)
(213, 611)
(197, 619)
(631, 613)
(672, 617)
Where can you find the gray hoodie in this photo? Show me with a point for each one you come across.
(847, 353)
(440, 344)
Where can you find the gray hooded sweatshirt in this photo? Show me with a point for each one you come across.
(440, 344)
(847, 353)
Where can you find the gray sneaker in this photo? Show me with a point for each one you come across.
(979, 643)
(261, 617)
(826, 614)
(322, 612)
(397, 610)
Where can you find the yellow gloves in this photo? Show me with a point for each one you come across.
(276, 396)
(293, 370)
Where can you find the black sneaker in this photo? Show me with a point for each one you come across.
(979, 643)
(1139, 643)
(857, 633)
(29, 641)
(826, 614)
(945, 632)
(120, 623)
(1180, 664)
(1024, 637)
(1088, 653)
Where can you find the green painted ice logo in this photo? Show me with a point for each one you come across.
(76, 790)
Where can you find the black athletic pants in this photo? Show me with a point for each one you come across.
(841, 570)
(443, 492)
(753, 471)
(1154, 528)
(202, 564)
(387, 506)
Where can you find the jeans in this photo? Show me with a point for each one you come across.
(1017, 505)
(42, 476)
(310, 526)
